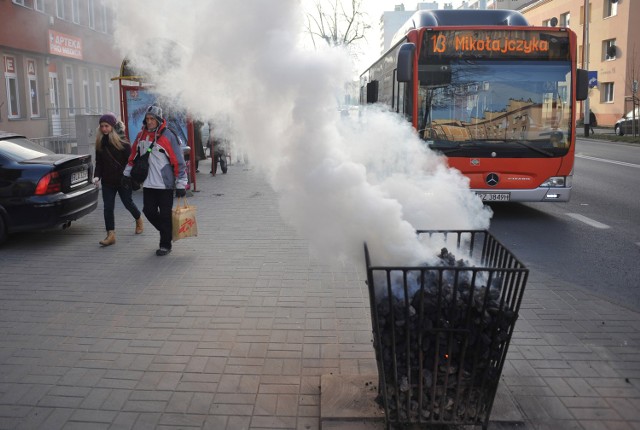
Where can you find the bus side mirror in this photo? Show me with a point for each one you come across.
(582, 84)
(405, 62)
(372, 92)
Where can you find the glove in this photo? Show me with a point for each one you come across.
(125, 182)
(181, 192)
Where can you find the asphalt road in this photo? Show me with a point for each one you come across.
(592, 241)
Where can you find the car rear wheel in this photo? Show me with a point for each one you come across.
(618, 131)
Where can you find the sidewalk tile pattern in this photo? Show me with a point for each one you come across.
(234, 328)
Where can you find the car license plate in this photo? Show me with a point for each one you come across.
(80, 176)
(494, 197)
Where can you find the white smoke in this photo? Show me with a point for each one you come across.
(341, 181)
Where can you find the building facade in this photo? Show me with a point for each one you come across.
(57, 59)
(613, 48)
(391, 21)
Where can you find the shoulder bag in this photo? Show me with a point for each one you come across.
(140, 168)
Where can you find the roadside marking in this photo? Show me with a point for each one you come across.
(588, 221)
(620, 163)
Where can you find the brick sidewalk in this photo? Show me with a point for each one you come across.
(234, 329)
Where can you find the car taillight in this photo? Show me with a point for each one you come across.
(49, 184)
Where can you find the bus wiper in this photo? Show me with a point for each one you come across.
(448, 149)
(533, 148)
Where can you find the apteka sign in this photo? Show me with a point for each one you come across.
(65, 45)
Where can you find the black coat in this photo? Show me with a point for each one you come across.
(110, 162)
(197, 140)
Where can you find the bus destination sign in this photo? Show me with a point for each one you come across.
(497, 44)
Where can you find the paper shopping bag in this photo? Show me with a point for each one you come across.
(183, 221)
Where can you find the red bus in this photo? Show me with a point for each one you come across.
(493, 94)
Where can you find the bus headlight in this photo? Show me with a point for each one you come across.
(557, 182)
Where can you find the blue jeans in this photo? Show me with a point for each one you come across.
(157, 205)
(109, 199)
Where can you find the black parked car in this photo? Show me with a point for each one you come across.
(39, 189)
(625, 124)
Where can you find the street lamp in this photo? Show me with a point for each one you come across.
(585, 61)
(634, 102)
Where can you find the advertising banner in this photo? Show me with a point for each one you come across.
(65, 45)
(137, 102)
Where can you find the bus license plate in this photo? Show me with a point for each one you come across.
(494, 197)
(80, 176)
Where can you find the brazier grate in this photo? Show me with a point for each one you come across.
(441, 332)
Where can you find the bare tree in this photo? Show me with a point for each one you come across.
(337, 22)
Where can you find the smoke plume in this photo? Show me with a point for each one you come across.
(341, 180)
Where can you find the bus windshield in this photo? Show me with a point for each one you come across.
(495, 107)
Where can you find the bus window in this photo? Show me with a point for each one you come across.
(403, 101)
(394, 91)
(424, 110)
(399, 91)
(508, 103)
(408, 106)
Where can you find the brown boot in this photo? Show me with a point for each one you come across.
(139, 225)
(110, 239)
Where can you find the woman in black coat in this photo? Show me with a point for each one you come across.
(112, 153)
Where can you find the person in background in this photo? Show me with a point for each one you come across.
(218, 148)
(593, 122)
(166, 173)
(197, 141)
(112, 153)
(220, 151)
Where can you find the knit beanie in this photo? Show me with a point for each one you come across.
(109, 118)
(156, 112)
